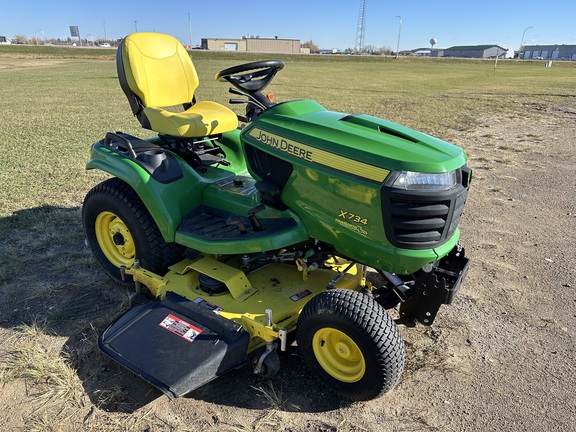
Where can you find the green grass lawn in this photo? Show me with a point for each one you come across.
(57, 101)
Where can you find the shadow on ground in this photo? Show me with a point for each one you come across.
(48, 275)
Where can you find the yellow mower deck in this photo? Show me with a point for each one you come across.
(248, 296)
(188, 337)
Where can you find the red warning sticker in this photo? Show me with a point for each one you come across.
(180, 327)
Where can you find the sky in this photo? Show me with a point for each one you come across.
(331, 24)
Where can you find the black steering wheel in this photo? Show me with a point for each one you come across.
(251, 77)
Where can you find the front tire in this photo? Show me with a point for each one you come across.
(351, 343)
(119, 229)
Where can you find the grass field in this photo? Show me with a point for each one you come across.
(58, 101)
(55, 102)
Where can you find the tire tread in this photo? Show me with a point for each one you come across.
(378, 329)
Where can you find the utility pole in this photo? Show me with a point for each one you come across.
(361, 29)
(190, 30)
(399, 30)
(522, 42)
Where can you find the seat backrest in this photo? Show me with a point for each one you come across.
(155, 70)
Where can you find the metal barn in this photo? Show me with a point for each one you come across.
(549, 52)
(472, 51)
(260, 45)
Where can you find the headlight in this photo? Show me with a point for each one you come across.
(410, 180)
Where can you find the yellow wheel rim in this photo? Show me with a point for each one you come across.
(338, 355)
(114, 239)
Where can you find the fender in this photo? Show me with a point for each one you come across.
(168, 198)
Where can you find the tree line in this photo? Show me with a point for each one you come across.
(367, 49)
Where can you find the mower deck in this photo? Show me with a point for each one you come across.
(210, 316)
(243, 296)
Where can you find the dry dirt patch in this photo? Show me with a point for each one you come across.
(16, 63)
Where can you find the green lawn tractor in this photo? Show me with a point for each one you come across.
(293, 225)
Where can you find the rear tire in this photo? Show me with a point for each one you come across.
(119, 229)
(351, 343)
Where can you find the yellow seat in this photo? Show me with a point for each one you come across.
(157, 74)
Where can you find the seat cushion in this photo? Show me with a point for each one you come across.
(158, 69)
(202, 119)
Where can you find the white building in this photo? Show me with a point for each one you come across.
(549, 52)
(472, 51)
(260, 45)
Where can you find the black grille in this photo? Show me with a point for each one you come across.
(420, 220)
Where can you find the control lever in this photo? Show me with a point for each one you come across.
(251, 98)
(236, 220)
(235, 91)
(256, 225)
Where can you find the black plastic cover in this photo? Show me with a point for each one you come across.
(268, 167)
(160, 164)
(176, 345)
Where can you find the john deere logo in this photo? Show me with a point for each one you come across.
(320, 157)
(287, 146)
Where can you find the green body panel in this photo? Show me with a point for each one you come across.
(322, 192)
(169, 203)
(364, 138)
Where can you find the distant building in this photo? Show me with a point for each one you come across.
(471, 51)
(420, 52)
(549, 52)
(260, 45)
